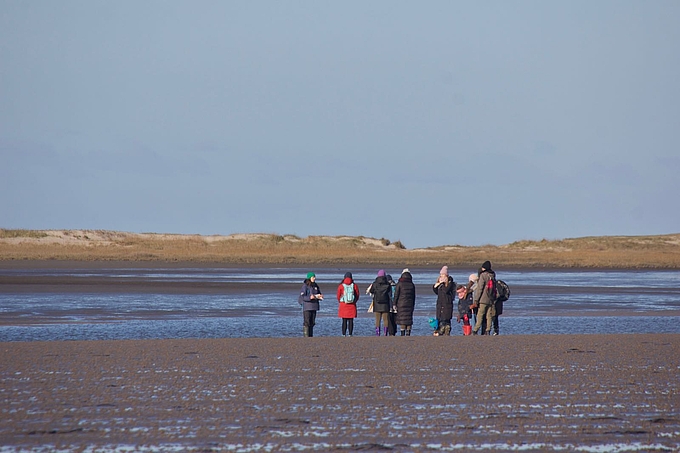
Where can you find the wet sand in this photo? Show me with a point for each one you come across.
(530, 393)
(98, 284)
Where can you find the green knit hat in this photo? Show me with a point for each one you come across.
(310, 275)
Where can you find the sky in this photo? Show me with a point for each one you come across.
(429, 122)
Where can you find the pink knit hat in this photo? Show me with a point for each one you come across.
(445, 270)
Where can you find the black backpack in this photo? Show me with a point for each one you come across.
(382, 293)
(502, 291)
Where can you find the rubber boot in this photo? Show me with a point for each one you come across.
(403, 333)
(408, 332)
(447, 330)
(305, 331)
(311, 331)
(377, 331)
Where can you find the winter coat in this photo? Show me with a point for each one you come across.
(482, 296)
(382, 295)
(445, 295)
(405, 300)
(347, 310)
(471, 297)
(308, 289)
(464, 302)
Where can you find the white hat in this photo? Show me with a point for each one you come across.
(473, 277)
(405, 270)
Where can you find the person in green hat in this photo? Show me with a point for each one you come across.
(310, 295)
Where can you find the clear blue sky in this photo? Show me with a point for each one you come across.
(435, 122)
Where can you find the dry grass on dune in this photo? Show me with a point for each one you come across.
(98, 245)
(237, 248)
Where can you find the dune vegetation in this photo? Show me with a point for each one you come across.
(625, 252)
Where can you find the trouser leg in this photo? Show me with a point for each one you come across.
(447, 329)
(309, 321)
(350, 326)
(481, 316)
(490, 314)
(344, 326)
(311, 329)
(386, 323)
(305, 322)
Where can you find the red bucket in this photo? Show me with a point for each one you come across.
(467, 330)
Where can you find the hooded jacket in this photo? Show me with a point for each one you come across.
(382, 295)
(482, 296)
(405, 299)
(346, 310)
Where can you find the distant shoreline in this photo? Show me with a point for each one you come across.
(312, 266)
(25, 248)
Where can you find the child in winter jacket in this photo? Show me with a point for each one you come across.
(464, 310)
(348, 295)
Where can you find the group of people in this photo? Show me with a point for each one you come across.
(478, 303)
(393, 303)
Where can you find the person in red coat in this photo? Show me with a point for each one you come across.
(348, 295)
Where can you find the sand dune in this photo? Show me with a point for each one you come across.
(657, 252)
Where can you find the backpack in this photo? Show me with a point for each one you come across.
(382, 293)
(347, 294)
(502, 290)
(491, 289)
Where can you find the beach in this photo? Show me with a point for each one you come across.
(520, 392)
(569, 392)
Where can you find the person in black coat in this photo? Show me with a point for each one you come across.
(405, 301)
(391, 316)
(381, 290)
(445, 289)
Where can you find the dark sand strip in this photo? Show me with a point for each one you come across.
(537, 393)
